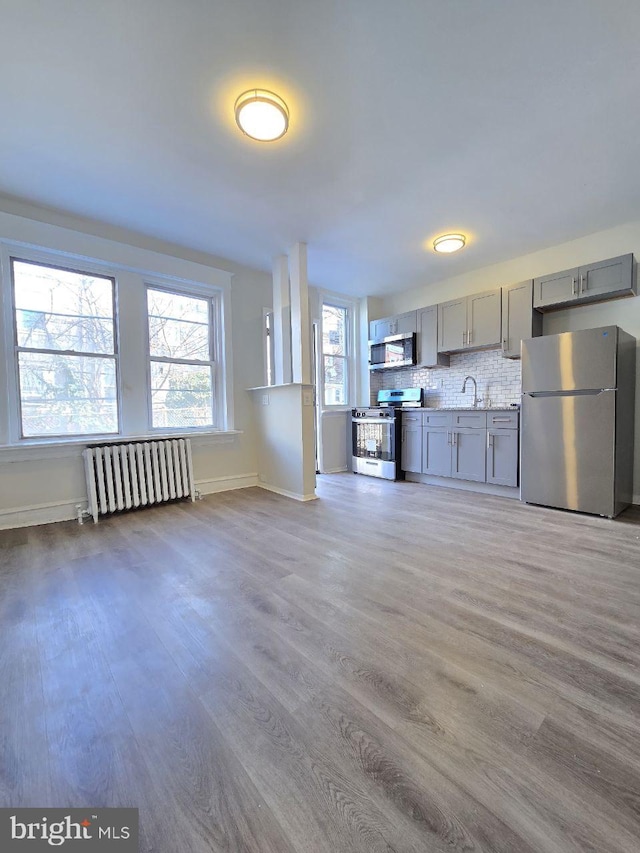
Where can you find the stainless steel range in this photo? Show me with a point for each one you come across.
(375, 433)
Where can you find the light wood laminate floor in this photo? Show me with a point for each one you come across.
(392, 667)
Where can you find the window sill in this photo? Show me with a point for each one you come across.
(31, 450)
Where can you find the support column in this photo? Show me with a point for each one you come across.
(281, 321)
(300, 333)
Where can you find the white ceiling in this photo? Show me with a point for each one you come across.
(515, 121)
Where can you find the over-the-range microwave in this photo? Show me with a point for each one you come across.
(394, 351)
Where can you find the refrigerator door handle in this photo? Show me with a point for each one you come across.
(580, 392)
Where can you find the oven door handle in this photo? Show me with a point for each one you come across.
(381, 421)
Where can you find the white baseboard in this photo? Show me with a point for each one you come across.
(287, 494)
(341, 470)
(48, 513)
(226, 484)
(28, 516)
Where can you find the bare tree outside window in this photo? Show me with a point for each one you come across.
(335, 361)
(180, 351)
(66, 351)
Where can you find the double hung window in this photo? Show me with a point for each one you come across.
(66, 351)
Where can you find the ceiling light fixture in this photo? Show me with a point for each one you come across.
(448, 243)
(262, 115)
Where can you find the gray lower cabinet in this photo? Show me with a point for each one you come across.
(502, 457)
(589, 283)
(480, 446)
(411, 458)
(468, 456)
(436, 451)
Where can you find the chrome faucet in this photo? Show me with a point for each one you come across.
(476, 399)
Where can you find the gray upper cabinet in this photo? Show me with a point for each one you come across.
(404, 324)
(520, 320)
(452, 325)
(400, 324)
(483, 318)
(590, 283)
(428, 355)
(556, 289)
(470, 322)
(607, 278)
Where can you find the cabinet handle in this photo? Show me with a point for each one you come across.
(501, 420)
(469, 337)
(449, 439)
(581, 284)
(464, 338)
(574, 282)
(488, 441)
(454, 439)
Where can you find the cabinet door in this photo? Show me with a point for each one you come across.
(468, 454)
(555, 289)
(607, 278)
(436, 451)
(379, 329)
(405, 324)
(411, 458)
(502, 457)
(428, 355)
(519, 318)
(452, 325)
(483, 317)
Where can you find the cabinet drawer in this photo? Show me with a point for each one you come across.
(502, 420)
(436, 418)
(412, 418)
(475, 420)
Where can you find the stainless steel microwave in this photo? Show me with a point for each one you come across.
(394, 351)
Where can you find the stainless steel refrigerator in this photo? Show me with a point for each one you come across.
(578, 392)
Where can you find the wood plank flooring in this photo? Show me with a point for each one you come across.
(392, 667)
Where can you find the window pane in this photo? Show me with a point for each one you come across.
(67, 394)
(335, 381)
(57, 309)
(334, 330)
(181, 395)
(178, 326)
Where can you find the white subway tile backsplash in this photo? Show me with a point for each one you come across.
(498, 380)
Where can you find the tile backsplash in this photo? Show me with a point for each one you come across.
(498, 380)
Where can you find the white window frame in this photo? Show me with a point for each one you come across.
(350, 337)
(214, 363)
(132, 269)
(17, 349)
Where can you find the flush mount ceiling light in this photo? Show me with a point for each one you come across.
(262, 115)
(448, 243)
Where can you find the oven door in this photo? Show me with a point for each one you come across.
(374, 448)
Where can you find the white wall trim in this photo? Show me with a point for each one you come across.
(226, 484)
(47, 513)
(287, 494)
(336, 470)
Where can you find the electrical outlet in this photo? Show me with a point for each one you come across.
(265, 399)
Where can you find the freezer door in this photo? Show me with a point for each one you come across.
(568, 451)
(570, 361)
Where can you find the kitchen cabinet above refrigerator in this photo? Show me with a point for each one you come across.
(608, 279)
